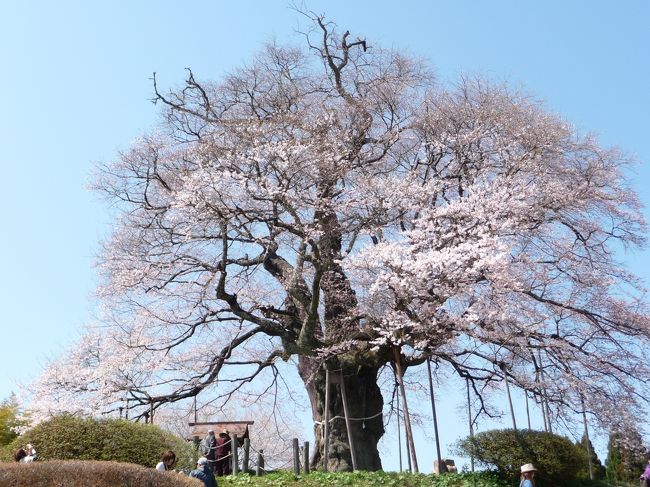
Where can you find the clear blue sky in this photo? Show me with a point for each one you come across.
(75, 83)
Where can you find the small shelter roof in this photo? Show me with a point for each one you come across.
(239, 428)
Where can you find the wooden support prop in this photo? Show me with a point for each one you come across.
(235, 452)
(584, 418)
(326, 421)
(512, 409)
(544, 396)
(407, 417)
(305, 457)
(296, 457)
(247, 451)
(469, 417)
(435, 418)
(259, 468)
(399, 429)
(348, 424)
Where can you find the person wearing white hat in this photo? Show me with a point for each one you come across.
(208, 448)
(204, 473)
(527, 475)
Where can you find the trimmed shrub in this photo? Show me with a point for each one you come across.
(557, 459)
(89, 473)
(72, 438)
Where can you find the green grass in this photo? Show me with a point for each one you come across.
(379, 479)
(364, 479)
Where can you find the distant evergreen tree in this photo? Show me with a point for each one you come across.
(596, 465)
(9, 420)
(625, 459)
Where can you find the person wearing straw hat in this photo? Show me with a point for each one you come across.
(527, 475)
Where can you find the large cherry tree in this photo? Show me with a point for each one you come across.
(331, 206)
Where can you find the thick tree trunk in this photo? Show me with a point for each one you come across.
(364, 401)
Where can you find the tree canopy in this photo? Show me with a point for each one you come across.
(333, 204)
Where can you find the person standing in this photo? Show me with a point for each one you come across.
(167, 462)
(20, 455)
(645, 476)
(203, 473)
(209, 449)
(527, 475)
(223, 454)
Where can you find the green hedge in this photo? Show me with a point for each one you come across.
(557, 459)
(89, 473)
(72, 438)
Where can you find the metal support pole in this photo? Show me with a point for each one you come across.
(407, 418)
(195, 415)
(348, 424)
(435, 417)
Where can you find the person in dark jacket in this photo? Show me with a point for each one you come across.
(20, 455)
(223, 454)
(645, 476)
(203, 473)
(208, 448)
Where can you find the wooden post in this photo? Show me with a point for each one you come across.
(512, 409)
(296, 457)
(348, 424)
(407, 418)
(197, 442)
(247, 451)
(235, 452)
(326, 421)
(469, 416)
(584, 418)
(259, 468)
(305, 457)
(435, 417)
(151, 411)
